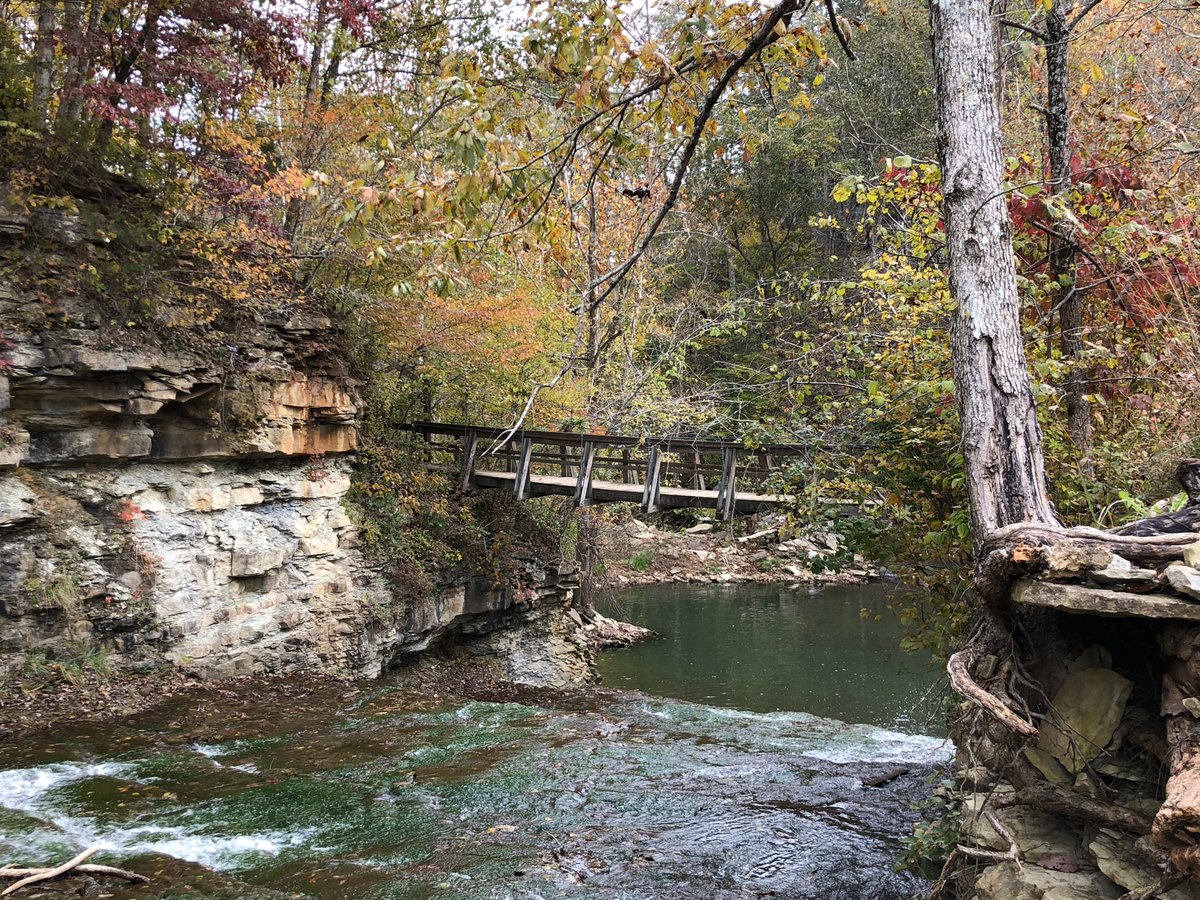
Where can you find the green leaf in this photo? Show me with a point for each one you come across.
(845, 188)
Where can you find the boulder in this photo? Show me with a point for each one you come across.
(1183, 579)
(1070, 559)
(1007, 881)
(1125, 864)
(1084, 714)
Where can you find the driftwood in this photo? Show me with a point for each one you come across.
(47, 874)
(82, 869)
(961, 681)
(29, 876)
(887, 777)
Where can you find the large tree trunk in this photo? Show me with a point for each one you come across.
(1062, 244)
(43, 61)
(73, 33)
(1002, 444)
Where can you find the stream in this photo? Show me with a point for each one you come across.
(388, 790)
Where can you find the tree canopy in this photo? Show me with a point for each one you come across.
(692, 217)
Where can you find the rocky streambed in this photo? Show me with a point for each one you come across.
(386, 790)
(634, 553)
(441, 780)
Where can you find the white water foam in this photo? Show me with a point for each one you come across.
(31, 791)
(21, 789)
(808, 735)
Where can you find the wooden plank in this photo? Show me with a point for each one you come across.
(583, 485)
(470, 439)
(653, 483)
(524, 470)
(727, 490)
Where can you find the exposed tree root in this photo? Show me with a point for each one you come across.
(1060, 802)
(1012, 854)
(961, 681)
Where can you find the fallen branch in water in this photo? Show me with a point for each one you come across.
(30, 876)
(961, 681)
(887, 777)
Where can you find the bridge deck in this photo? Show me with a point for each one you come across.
(616, 492)
(656, 472)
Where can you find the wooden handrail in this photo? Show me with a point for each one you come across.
(577, 438)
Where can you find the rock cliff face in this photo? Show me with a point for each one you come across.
(164, 504)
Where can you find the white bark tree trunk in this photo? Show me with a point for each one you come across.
(43, 60)
(1062, 244)
(1002, 444)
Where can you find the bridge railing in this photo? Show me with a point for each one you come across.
(693, 470)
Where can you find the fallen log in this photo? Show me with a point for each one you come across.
(1183, 520)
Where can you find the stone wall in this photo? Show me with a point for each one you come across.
(169, 504)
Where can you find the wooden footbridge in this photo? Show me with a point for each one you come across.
(657, 473)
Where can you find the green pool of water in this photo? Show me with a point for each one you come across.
(767, 648)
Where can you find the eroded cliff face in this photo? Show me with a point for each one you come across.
(169, 504)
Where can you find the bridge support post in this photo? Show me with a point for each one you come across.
(524, 470)
(583, 484)
(470, 439)
(727, 489)
(653, 480)
(697, 477)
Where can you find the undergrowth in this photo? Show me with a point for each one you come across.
(425, 532)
